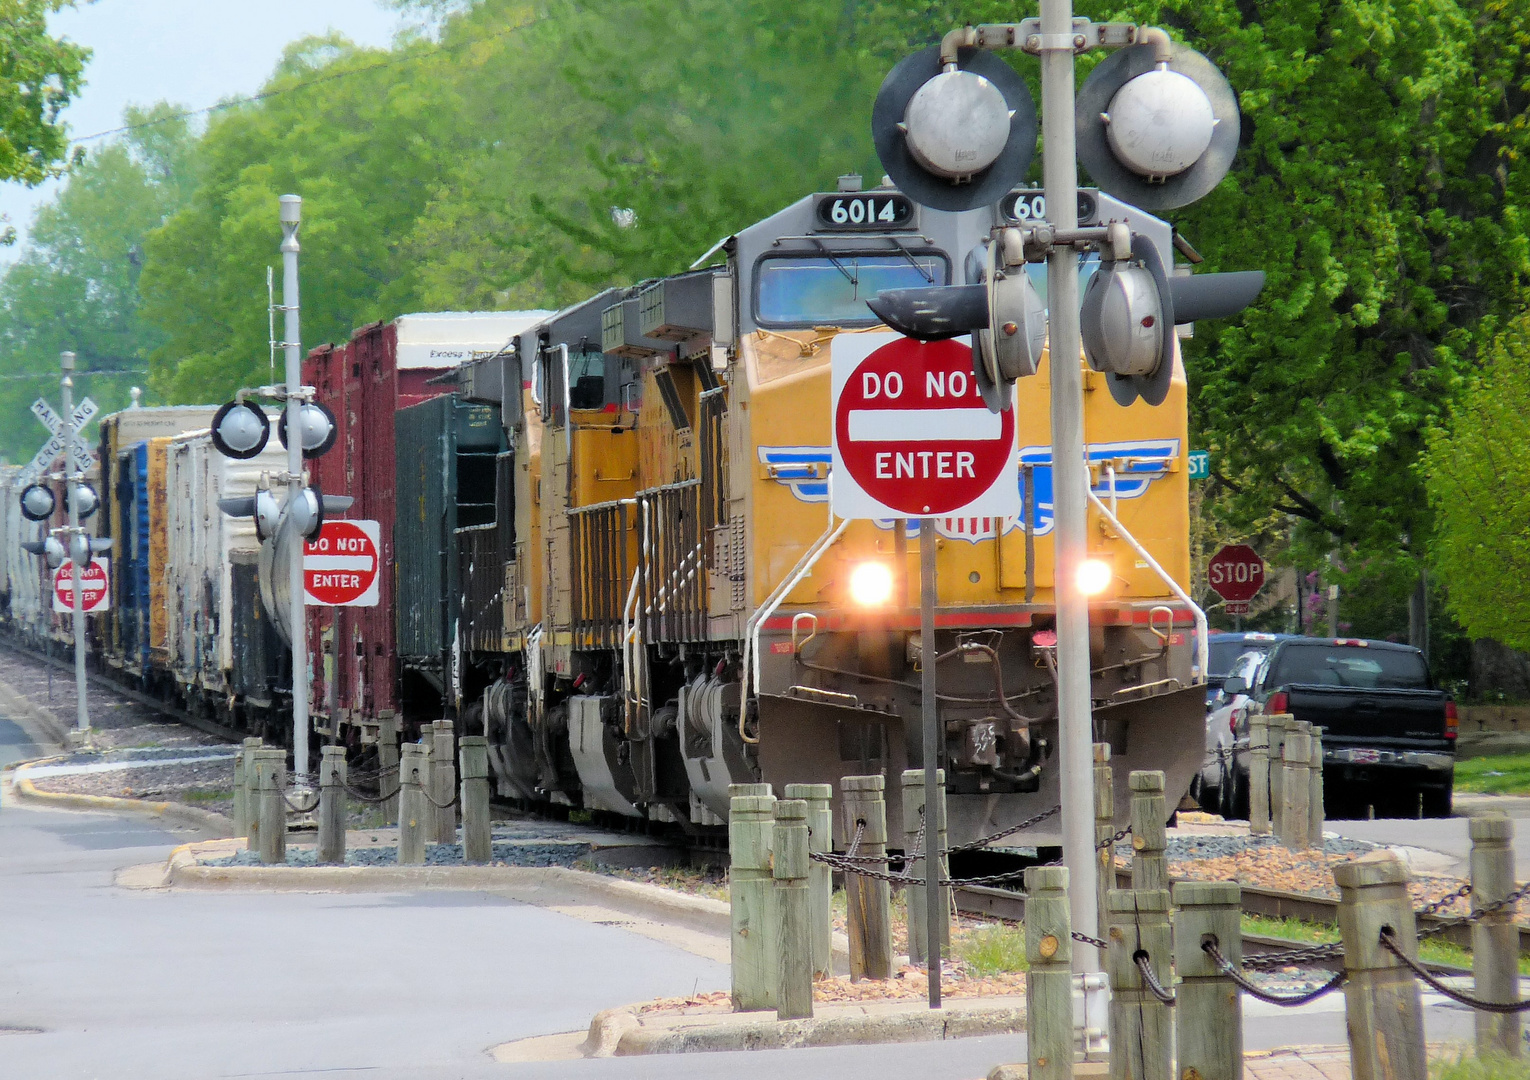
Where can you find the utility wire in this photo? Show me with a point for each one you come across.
(232, 103)
(54, 374)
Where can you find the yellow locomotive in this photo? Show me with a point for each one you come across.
(676, 608)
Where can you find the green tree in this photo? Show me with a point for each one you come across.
(1480, 492)
(75, 285)
(39, 75)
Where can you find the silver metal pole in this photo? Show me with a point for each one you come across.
(291, 215)
(71, 502)
(934, 918)
(1070, 479)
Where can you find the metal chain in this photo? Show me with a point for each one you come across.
(1087, 940)
(310, 808)
(1145, 965)
(1295, 957)
(1441, 904)
(1466, 920)
(362, 796)
(1226, 967)
(984, 841)
(1115, 838)
(1389, 943)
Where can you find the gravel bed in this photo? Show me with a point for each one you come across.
(505, 854)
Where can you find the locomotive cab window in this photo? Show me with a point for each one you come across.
(831, 288)
(586, 380)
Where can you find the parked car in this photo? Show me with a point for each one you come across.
(1213, 787)
(1225, 649)
(1388, 733)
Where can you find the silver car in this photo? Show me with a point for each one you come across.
(1216, 788)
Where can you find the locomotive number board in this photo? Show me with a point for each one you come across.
(1021, 207)
(865, 212)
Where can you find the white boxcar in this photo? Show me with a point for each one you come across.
(199, 541)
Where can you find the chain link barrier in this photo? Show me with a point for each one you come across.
(1087, 940)
(1389, 943)
(1145, 965)
(1226, 967)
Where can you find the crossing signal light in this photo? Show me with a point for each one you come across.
(240, 430)
(38, 502)
(319, 429)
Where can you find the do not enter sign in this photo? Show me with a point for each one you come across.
(912, 437)
(95, 587)
(341, 564)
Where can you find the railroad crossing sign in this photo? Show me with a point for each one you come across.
(1235, 574)
(341, 564)
(95, 585)
(912, 437)
(84, 412)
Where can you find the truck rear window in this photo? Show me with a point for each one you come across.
(1350, 665)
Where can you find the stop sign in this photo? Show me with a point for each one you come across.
(341, 564)
(1235, 573)
(912, 437)
(95, 587)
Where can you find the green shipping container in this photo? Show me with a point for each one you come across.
(446, 450)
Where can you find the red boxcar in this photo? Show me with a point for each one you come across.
(383, 368)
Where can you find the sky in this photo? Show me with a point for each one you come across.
(189, 52)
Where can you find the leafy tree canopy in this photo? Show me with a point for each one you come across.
(39, 75)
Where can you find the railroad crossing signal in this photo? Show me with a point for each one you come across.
(911, 435)
(1236, 574)
(340, 565)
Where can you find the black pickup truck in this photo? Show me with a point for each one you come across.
(1388, 734)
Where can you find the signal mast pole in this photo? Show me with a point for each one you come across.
(77, 545)
(291, 216)
(1070, 479)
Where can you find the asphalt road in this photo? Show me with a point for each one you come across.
(1448, 836)
(15, 744)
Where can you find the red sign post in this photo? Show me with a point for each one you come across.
(95, 585)
(1235, 574)
(341, 564)
(912, 437)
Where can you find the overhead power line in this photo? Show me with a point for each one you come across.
(54, 374)
(233, 103)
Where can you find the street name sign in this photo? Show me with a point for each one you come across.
(911, 435)
(341, 565)
(95, 586)
(1200, 464)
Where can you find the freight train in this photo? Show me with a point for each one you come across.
(609, 545)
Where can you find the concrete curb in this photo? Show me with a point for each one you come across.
(24, 790)
(622, 1032)
(11, 700)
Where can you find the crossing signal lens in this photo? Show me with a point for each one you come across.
(1093, 576)
(240, 430)
(319, 430)
(86, 501)
(871, 584)
(38, 503)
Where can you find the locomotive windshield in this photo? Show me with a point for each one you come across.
(832, 289)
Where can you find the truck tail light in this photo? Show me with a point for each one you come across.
(1278, 702)
(1452, 720)
(1232, 723)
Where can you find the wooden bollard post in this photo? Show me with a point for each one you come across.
(934, 840)
(1495, 936)
(270, 770)
(1259, 775)
(1049, 980)
(1104, 829)
(1209, 1010)
(387, 763)
(1150, 814)
(411, 805)
(332, 808)
(1383, 1009)
(1141, 1026)
(820, 824)
(242, 763)
(443, 782)
(868, 900)
(251, 794)
(1315, 791)
(751, 823)
(477, 835)
(794, 916)
(1280, 725)
(1296, 787)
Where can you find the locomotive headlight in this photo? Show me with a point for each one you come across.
(1093, 576)
(871, 584)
